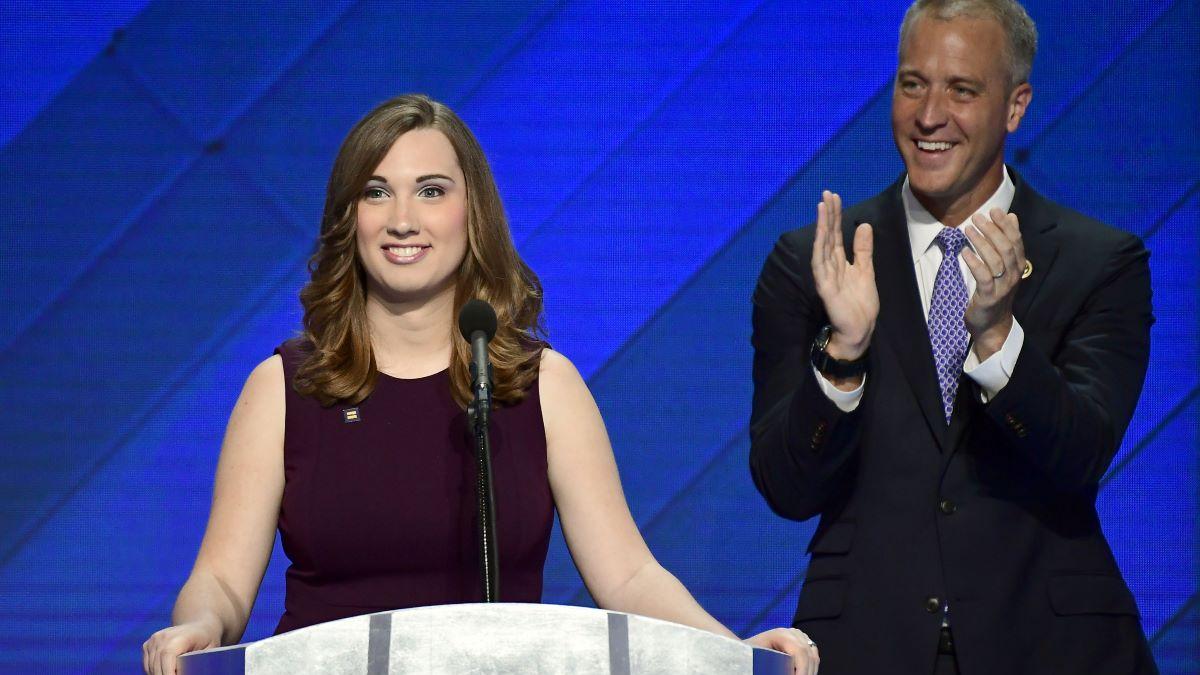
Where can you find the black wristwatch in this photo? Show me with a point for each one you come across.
(827, 365)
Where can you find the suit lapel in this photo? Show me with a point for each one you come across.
(1037, 219)
(901, 317)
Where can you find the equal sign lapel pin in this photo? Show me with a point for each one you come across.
(350, 415)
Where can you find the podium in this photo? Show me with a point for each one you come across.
(495, 639)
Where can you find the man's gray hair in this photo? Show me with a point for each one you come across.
(1012, 17)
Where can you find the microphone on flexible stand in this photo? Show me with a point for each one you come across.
(477, 322)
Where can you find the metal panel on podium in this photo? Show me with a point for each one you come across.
(491, 638)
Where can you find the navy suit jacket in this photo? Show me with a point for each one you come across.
(995, 512)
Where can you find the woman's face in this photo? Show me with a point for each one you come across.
(412, 219)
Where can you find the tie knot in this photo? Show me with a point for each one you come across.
(952, 240)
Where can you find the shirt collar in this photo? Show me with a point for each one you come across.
(923, 228)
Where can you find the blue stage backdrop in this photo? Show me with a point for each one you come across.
(163, 166)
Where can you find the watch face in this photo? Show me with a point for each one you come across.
(824, 363)
(823, 337)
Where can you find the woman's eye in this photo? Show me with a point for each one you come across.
(375, 193)
(431, 192)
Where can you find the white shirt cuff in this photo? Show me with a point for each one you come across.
(846, 401)
(993, 374)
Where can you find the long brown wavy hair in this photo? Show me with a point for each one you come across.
(340, 366)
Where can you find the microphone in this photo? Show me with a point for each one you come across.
(477, 322)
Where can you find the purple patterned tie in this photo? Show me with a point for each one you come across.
(947, 332)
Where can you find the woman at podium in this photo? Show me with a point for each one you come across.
(352, 441)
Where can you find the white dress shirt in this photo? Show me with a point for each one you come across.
(991, 374)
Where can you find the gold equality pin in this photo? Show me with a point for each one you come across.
(1028, 271)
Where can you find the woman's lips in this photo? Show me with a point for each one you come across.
(405, 255)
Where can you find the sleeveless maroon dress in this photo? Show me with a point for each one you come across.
(379, 503)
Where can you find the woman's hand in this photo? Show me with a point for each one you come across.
(161, 652)
(794, 643)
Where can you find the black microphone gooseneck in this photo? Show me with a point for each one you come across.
(477, 322)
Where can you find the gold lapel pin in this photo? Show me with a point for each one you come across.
(1028, 271)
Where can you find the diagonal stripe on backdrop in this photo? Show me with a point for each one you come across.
(137, 411)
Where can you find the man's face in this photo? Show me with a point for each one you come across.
(952, 108)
